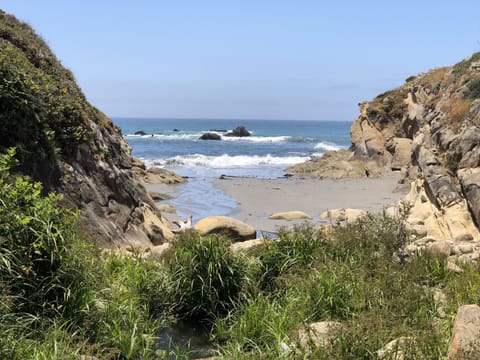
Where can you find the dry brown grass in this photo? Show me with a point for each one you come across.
(434, 77)
(456, 109)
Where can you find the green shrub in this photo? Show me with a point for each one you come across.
(293, 251)
(473, 90)
(35, 235)
(207, 276)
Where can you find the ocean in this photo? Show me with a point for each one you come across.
(274, 145)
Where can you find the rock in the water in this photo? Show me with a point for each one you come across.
(239, 131)
(140, 132)
(290, 215)
(210, 136)
(465, 340)
(235, 229)
(343, 215)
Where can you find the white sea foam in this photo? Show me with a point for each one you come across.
(227, 161)
(327, 146)
(257, 139)
(195, 136)
(167, 137)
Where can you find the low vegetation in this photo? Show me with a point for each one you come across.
(62, 298)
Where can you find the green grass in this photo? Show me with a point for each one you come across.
(62, 298)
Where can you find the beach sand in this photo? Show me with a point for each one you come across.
(259, 198)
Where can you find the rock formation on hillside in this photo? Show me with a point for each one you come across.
(68, 145)
(429, 129)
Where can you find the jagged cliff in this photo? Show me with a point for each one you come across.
(68, 145)
(429, 129)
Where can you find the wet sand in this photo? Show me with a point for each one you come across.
(259, 198)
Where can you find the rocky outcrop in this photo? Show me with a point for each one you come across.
(429, 130)
(239, 131)
(235, 229)
(210, 136)
(68, 145)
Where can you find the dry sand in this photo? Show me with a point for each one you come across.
(258, 198)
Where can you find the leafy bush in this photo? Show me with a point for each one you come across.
(292, 251)
(35, 235)
(207, 276)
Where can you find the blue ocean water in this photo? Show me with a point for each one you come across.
(274, 145)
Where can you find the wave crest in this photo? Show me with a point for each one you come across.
(227, 161)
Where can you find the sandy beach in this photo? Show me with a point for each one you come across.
(259, 198)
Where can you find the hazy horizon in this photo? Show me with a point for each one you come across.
(269, 60)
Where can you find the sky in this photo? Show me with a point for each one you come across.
(248, 59)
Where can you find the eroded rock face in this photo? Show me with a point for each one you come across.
(429, 129)
(69, 146)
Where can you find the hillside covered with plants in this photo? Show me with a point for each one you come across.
(68, 145)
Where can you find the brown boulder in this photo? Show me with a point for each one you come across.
(465, 341)
(235, 229)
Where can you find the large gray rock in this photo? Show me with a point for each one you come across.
(235, 229)
(470, 180)
(465, 341)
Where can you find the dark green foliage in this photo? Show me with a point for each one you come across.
(43, 113)
(463, 66)
(473, 90)
(293, 251)
(34, 235)
(207, 276)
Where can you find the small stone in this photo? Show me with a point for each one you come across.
(319, 333)
(394, 349)
(411, 248)
(456, 250)
(454, 267)
(160, 250)
(465, 248)
(440, 248)
(465, 237)
(474, 256)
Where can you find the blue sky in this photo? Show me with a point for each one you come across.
(248, 59)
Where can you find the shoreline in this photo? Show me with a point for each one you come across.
(257, 199)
